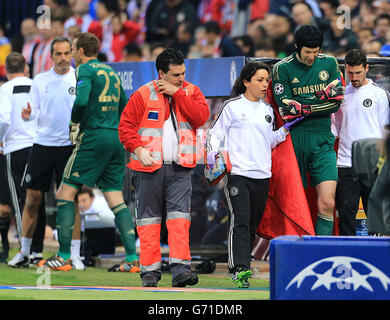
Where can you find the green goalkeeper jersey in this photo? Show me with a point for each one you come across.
(293, 80)
(100, 97)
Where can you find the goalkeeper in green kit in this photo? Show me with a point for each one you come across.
(308, 84)
(98, 158)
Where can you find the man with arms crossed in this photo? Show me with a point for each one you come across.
(307, 83)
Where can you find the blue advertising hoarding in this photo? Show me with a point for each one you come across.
(330, 268)
(214, 76)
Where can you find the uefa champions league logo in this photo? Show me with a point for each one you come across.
(345, 272)
(233, 73)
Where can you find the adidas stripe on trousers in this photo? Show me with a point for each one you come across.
(16, 169)
(246, 199)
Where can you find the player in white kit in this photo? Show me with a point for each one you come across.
(50, 104)
(363, 114)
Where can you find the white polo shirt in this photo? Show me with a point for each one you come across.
(248, 130)
(15, 133)
(363, 114)
(52, 96)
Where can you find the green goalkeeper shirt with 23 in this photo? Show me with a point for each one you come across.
(294, 80)
(100, 97)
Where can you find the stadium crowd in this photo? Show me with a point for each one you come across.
(134, 31)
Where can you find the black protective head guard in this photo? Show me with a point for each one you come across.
(308, 36)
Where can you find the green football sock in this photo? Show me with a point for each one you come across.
(324, 225)
(64, 223)
(124, 223)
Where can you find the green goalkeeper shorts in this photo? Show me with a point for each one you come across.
(98, 159)
(315, 155)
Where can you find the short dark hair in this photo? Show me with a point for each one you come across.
(380, 17)
(89, 42)
(133, 48)
(87, 190)
(167, 57)
(111, 5)
(58, 39)
(188, 28)
(212, 27)
(355, 57)
(15, 63)
(334, 3)
(305, 4)
(247, 73)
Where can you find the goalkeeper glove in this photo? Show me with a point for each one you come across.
(74, 132)
(331, 92)
(294, 109)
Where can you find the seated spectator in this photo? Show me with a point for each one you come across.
(148, 21)
(93, 207)
(72, 32)
(283, 7)
(372, 48)
(155, 50)
(257, 32)
(265, 51)
(41, 58)
(167, 16)
(381, 7)
(57, 26)
(123, 33)
(196, 49)
(278, 29)
(184, 38)
(353, 5)
(80, 16)
(328, 8)
(246, 44)
(132, 53)
(339, 39)
(58, 8)
(302, 15)
(31, 39)
(102, 28)
(364, 36)
(382, 27)
(219, 45)
(90, 200)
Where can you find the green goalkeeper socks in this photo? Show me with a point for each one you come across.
(124, 223)
(65, 223)
(324, 225)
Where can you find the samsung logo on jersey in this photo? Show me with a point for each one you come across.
(308, 89)
(127, 79)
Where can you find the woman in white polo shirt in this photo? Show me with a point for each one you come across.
(246, 125)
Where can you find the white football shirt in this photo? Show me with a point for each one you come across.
(363, 114)
(52, 96)
(248, 130)
(15, 133)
